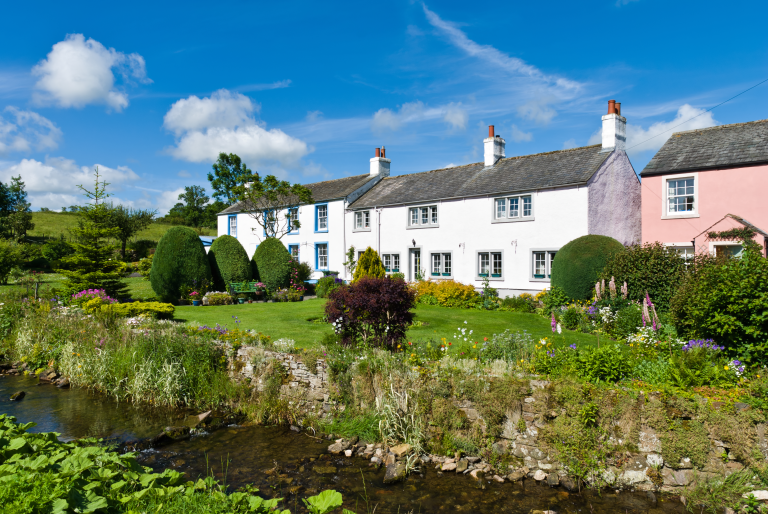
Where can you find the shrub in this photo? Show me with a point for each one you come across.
(179, 261)
(273, 263)
(95, 304)
(217, 298)
(726, 300)
(56, 249)
(145, 266)
(87, 295)
(605, 364)
(142, 247)
(229, 262)
(522, 303)
(508, 346)
(447, 293)
(326, 285)
(571, 318)
(287, 295)
(369, 265)
(652, 268)
(152, 309)
(9, 258)
(579, 263)
(375, 311)
(627, 321)
(305, 271)
(552, 298)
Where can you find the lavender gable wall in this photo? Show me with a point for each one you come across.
(615, 200)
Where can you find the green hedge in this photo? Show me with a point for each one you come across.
(578, 264)
(273, 264)
(229, 262)
(179, 261)
(129, 310)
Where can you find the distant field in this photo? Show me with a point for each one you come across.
(55, 224)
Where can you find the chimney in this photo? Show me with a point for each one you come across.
(380, 164)
(614, 128)
(494, 147)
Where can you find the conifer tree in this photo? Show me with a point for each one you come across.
(369, 265)
(93, 265)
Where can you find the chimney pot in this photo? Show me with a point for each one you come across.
(493, 147)
(490, 131)
(378, 152)
(611, 106)
(618, 108)
(383, 151)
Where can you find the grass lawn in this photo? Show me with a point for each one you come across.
(55, 224)
(300, 321)
(138, 288)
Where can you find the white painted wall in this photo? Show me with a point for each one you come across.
(250, 234)
(466, 226)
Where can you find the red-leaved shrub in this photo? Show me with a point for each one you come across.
(372, 311)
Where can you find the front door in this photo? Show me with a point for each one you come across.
(415, 264)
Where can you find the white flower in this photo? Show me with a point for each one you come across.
(465, 322)
(559, 329)
(470, 332)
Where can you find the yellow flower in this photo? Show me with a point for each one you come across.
(725, 368)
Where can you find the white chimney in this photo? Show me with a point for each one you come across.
(614, 128)
(494, 147)
(380, 163)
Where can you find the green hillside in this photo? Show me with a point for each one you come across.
(55, 224)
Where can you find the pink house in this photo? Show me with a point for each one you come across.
(707, 180)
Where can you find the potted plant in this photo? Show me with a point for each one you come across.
(194, 296)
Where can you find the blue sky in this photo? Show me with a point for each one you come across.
(151, 92)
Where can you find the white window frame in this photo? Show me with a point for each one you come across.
(318, 226)
(230, 228)
(443, 271)
(665, 214)
(392, 257)
(365, 221)
(291, 218)
(548, 258)
(714, 244)
(507, 217)
(682, 249)
(298, 250)
(318, 246)
(491, 261)
(428, 211)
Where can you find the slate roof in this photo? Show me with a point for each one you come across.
(321, 191)
(525, 173)
(715, 147)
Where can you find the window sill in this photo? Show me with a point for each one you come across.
(513, 220)
(533, 279)
(445, 274)
(491, 279)
(679, 216)
(324, 231)
(415, 227)
(361, 229)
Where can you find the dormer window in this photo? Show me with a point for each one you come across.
(513, 208)
(423, 217)
(362, 220)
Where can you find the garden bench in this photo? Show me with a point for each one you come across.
(243, 287)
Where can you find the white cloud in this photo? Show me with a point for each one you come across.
(454, 114)
(280, 84)
(518, 136)
(184, 174)
(313, 116)
(224, 122)
(168, 199)
(413, 30)
(652, 138)
(27, 130)
(571, 143)
(537, 110)
(55, 181)
(78, 72)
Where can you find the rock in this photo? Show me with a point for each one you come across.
(516, 476)
(477, 474)
(473, 460)
(62, 383)
(49, 375)
(18, 396)
(539, 384)
(498, 479)
(553, 480)
(400, 450)
(5, 366)
(539, 475)
(738, 406)
(448, 466)
(338, 447)
(389, 459)
(759, 495)
(529, 400)
(395, 472)
(376, 460)
(569, 483)
(462, 465)
(353, 441)
(347, 453)
(654, 460)
(193, 421)
(294, 428)
(325, 470)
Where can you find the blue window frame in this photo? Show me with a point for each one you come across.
(232, 225)
(321, 217)
(321, 256)
(294, 251)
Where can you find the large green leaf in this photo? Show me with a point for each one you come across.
(324, 502)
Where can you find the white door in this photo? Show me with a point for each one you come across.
(415, 264)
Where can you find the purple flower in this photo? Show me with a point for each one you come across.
(554, 323)
(572, 347)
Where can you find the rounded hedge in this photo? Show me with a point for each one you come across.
(369, 265)
(179, 261)
(578, 264)
(273, 263)
(229, 262)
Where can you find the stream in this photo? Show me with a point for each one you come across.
(290, 465)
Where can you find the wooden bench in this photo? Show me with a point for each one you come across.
(243, 287)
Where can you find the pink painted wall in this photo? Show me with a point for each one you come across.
(739, 191)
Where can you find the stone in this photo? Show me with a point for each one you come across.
(654, 460)
(347, 453)
(294, 428)
(539, 384)
(395, 472)
(337, 448)
(325, 470)
(462, 465)
(389, 459)
(633, 477)
(376, 460)
(473, 460)
(738, 406)
(477, 474)
(649, 441)
(401, 449)
(569, 483)
(18, 396)
(62, 383)
(761, 495)
(553, 480)
(498, 479)
(516, 476)
(448, 466)
(539, 475)
(530, 399)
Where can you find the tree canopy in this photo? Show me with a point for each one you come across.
(228, 173)
(273, 203)
(129, 222)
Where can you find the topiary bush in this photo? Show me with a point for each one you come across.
(179, 261)
(327, 285)
(579, 263)
(369, 265)
(652, 268)
(229, 262)
(273, 262)
(447, 293)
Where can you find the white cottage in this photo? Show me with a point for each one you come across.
(321, 238)
(503, 218)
